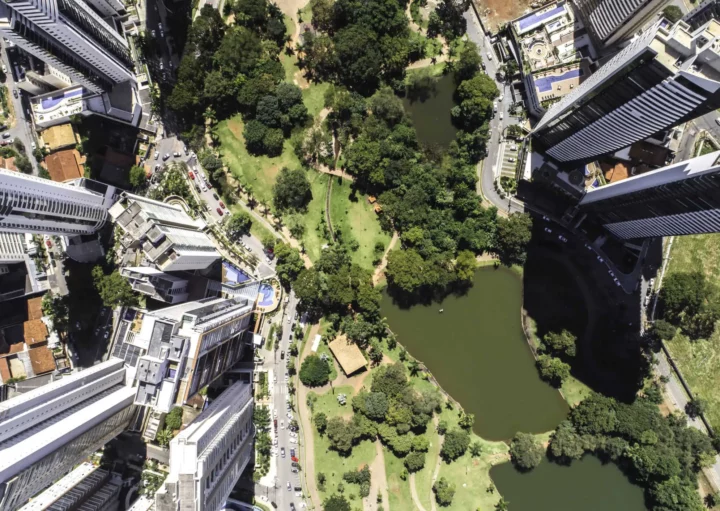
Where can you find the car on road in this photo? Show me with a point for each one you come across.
(717, 121)
(157, 155)
(166, 156)
(153, 33)
(162, 33)
(292, 505)
(219, 211)
(222, 204)
(32, 144)
(562, 238)
(6, 135)
(157, 167)
(501, 97)
(282, 452)
(192, 176)
(289, 486)
(501, 116)
(4, 68)
(489, 55)
(215, 196)
(548, 230)
(176, 154)
(600, 259)
(15, 93)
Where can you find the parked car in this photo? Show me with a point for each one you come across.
(489, 55)
(176, 154)
(192, 176)
(4, 68)
(157, 155)
(222, 204)
(166, 156)
(152, 32)
(282, 452)
(15, 93)
(6, 135)
(215, 196)
(157, 167)
(219, 211)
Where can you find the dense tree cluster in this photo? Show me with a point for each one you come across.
(291, 191)
(444, 491)
(526, 451)
(228, 69)
(114, 289)
(314, 371)
(361, 478)
(238, 225)
(455, 443)
(662, 454)
(359, 44)
(474, 97)
(391, 410)
(555, 350)
(692, 302)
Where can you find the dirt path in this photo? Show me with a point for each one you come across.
(429, 61)
(307, 432)
(381, 267)
(378, 482)
(413, 492)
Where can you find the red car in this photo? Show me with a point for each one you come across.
(48, 243)
(222, 204)
(220, 212)
(192, 176)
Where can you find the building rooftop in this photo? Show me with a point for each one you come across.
(347, 354)
(59, 137)
(34, 308)
(42, 360)
(64, 165)
(35, 332)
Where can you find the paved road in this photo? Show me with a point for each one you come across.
(489, 169)
(23, 126)
(286, 439)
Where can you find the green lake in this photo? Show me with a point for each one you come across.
(586, 485)
(477, 351)
(429, 106)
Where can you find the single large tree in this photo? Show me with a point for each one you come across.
(512, 237)
(526, 451)
(292, 190)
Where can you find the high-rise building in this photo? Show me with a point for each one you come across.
(208, 457)
(666, 76)
(71, 37)
(31, 204)
(157, 284)
(87, 488)
(704, 12)
(174, 352)
(168, 237)
(682, 198)
(609, 21)
(46, 432)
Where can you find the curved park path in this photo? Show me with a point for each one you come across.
(436, 472)
(381, 267)
(378, 481)
(306, 424)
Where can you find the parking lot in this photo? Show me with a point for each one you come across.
(508, 158)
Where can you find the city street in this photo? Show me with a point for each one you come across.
(275, 363)
(23, 124)
(489, 169)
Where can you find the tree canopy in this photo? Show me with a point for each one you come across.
(314, 371)
(291, 190)
(114, 289)
(526, 451)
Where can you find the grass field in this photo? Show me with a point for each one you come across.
(329, 462)
(256, 171)
(699, 361)
(314, 239)
(357, 218)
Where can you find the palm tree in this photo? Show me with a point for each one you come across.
(164, 436)
(414, 367)
(502, 505)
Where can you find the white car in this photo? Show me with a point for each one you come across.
(282, 424)
(33, 145)
(4, 68)
(501, 97)
(204, 188)
(293, 441)
(489, 55)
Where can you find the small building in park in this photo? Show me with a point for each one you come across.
(348, 355)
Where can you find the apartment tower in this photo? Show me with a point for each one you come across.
(610, 21)
(664, 77)
(46, 432)
(682, 198)
(208, 457)
(72, 38)
(31, 204)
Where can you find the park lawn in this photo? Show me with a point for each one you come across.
(256, 171)
(357, 219)
(699, 361)
(323, 348)
(314, 97)
(398, 490)
(314, 238)
(289, 62)
(329, 462)
(471, 476)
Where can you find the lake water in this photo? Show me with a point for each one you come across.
(477, 351)
(429, 108)
(586, 485)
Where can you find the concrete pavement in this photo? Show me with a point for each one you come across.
(22, 129)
